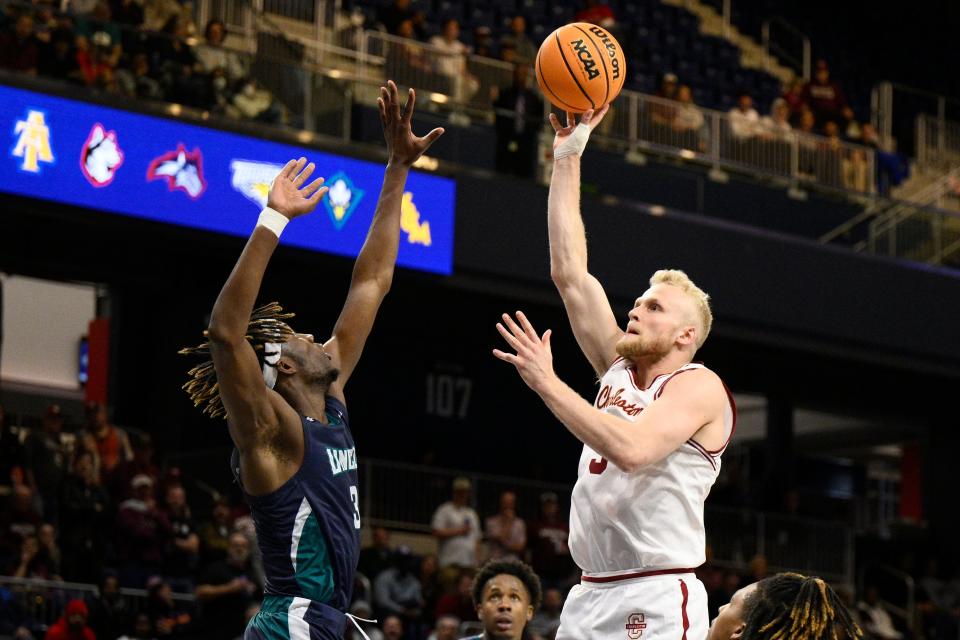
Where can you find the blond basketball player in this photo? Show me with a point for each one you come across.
(652, 438)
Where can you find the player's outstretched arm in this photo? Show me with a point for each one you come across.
(252, 408)
(373, 270)
(691, 406)
(591, 317)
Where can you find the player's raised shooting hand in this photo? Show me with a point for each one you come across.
(591, 118)
(404, 147)
(289, 196)
(534, 358)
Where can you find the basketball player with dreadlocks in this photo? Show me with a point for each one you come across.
(283, 396)
(652, 438)
(786, 606)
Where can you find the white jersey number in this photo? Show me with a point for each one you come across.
(355, 496)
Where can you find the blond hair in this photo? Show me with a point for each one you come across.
(701, 301)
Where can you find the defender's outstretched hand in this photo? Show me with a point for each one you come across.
(591, 118)
(534, 359)
(404, 147)
(287, 193)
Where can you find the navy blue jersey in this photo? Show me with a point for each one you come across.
(308, 531)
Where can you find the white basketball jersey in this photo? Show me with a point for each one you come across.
(648, 520)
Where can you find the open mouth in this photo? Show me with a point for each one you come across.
(504, 623)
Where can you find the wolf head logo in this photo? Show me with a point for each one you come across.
(101, 156)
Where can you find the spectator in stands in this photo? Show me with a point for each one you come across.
(688, 121)
(597, 12)
(109, 612)
(795, 99)
(98, 30)
(377, 556)
(18, 520)
(212, 56)
(95, 62)
(143, 533)
(142, 629)
(396, 591)
(138, 81)
(524, 50)
(483, 41)
(215, 532)
(170, 619)
(142, 464)
(825, 97)
(393, 14)
(224, 590)
(180, 73)
(110, 444)
(45, 461)
(776, 126)
(519, 113)
(49, 549)
(430, 590)
(157, 13)
(14, 619)
(19, 48)
(72, 625)
(937, 603)
(34, 561)
(183, 557)
(11, 457)
(662, 113)
(456, 527)
(546, 620)
(548, 535)
(874, 618)
(505, 595)
(254, 102)
(452, 61)
(392, 628)
(757, 569)
(505, 532)
(744, 118)
(445, 629)
(407, 62)
(458, 601)
(58, 56)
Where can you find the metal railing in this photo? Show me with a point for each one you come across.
(773, 32)
(938, 141)
(404, 496)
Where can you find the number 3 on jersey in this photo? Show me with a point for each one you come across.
(355, 497)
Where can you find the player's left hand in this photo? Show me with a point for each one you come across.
(403, 147)
(534, 359)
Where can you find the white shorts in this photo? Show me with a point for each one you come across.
(664, 607)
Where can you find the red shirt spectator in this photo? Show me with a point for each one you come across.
(824, 97)
(72, 625)
(596, 13)
(795, 99)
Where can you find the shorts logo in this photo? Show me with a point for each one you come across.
(253, 179)
(33, 141)
(182, 169)
(342, 199)
(635, 625)
(101, 156)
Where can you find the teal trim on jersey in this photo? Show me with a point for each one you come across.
(314, 571)
(272, 621)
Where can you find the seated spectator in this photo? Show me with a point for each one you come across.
(183, 557)
(776, 126)
(97, 69)
(392, 628)
(110, 613)
(224, 589)
(98, 29)
(876, 621)
(506, 533)
(663, 113)
(744, 118)
(688, 121)
(50, 550)
(142, 629)
(376, 558)
(109, 443)
(212, 56)
(19, 48)
(458, 602)
(445, 629)
(396, 591)
(548, 535)
(393, 14)
(35, 561)
(254, 102)
(483, 42)
(72, 625)
(143, 532)
(407, 62)
(525, 51)
(796, 101)
(215, 532)
(452, 61)
(180, 72)
(824, 97)
(546, 620)
(598, 13)
(170, 619)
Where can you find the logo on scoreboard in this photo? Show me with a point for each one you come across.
(342, 199)
(101, 156)
(253, 179)
(182, 169)
(33, 141)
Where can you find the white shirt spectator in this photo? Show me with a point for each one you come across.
(458, 550)
(513, 531)
(744, 124)
(877, 622)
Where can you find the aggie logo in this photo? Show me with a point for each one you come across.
(635, 625)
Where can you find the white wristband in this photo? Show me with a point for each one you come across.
(575, 143)
(272, 220)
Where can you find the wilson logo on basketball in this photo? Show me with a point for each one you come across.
(635, 625)
(589, 64)
(611, 47)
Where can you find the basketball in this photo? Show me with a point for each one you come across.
(580, 66)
